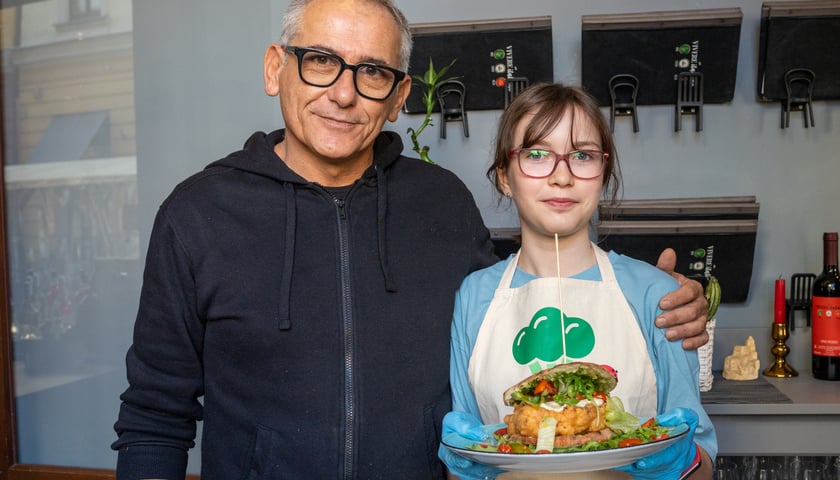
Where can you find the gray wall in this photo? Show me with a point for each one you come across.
(199, 95)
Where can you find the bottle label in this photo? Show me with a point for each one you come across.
(825, 323)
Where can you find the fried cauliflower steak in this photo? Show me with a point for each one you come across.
(572, 420)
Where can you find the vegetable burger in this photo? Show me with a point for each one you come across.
(575, 394)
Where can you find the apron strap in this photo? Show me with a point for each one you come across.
(604, 265)
(510, 270)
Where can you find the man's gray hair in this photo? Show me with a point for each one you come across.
(294, 12)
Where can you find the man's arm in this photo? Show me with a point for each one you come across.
(157, 419)
(685, 308)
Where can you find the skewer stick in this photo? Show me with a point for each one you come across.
(560, 296)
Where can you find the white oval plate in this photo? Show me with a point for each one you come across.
(559, 462)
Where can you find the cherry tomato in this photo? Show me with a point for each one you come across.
(649, 423)
(601, 395)
(505, 448)
(629, 442)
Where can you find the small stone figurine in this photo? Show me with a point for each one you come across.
(743, 363)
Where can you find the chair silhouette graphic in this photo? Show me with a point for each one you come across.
(689, 99)
(513, 87)
(623, 90)
(801, 286)
(799, 86)
(452, 96)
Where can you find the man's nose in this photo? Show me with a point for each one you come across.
(344, 89)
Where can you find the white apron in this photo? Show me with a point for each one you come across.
(522, 334)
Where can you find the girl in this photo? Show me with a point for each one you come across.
(563, 299)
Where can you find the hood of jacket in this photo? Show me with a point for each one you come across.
(258, 157)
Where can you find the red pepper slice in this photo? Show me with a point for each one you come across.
(629, 442)
(545, 386)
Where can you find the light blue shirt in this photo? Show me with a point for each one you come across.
(643, 285)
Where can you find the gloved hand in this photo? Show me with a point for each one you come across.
(469, 427)
(671, 462)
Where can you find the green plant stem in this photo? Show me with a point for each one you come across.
(430, 82)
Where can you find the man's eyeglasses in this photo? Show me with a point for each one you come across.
(322, 69)
(539, 163)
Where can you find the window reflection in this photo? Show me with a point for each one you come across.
(73, 242)
(86, 167)
(80, 9)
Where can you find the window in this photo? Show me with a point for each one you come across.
(84, 9)
(83, 174)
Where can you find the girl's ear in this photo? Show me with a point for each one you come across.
(504, 182)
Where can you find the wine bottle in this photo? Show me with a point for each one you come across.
(825, 315)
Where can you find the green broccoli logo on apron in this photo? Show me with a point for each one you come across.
(546, 340)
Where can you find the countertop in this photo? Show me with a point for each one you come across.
(804, 420)
(800, 395)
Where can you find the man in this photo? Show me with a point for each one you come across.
(304, 286)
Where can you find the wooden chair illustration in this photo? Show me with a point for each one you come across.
(799, 86)
(689, 99)
(452, 96)
(623, 90)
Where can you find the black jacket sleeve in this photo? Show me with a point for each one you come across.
(157, 420)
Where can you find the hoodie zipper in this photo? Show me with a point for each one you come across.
(347, 321)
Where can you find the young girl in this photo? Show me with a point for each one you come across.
(561, 298)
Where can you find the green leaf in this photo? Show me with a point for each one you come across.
(618, 419)
(430, 82)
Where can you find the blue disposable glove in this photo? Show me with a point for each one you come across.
(467, 426)
(677, 458)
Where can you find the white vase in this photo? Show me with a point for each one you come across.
(704, 354)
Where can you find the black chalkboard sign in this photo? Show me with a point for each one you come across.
(711, 235)
(487, 53)
(656, 46)
(799, 35)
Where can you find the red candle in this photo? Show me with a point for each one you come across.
(781, 308)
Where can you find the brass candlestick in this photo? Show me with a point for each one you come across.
(779, 368)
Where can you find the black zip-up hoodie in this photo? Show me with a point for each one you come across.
(315, 329)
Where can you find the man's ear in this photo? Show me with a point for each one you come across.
(272, 65)
(403, 89)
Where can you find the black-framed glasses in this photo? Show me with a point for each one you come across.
(540, 163)
(321, 69)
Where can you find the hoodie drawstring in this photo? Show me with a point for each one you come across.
(284, 316)
(381, 211)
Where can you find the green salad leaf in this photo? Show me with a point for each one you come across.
(649, 432)
(619, 420)
(626, 427)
